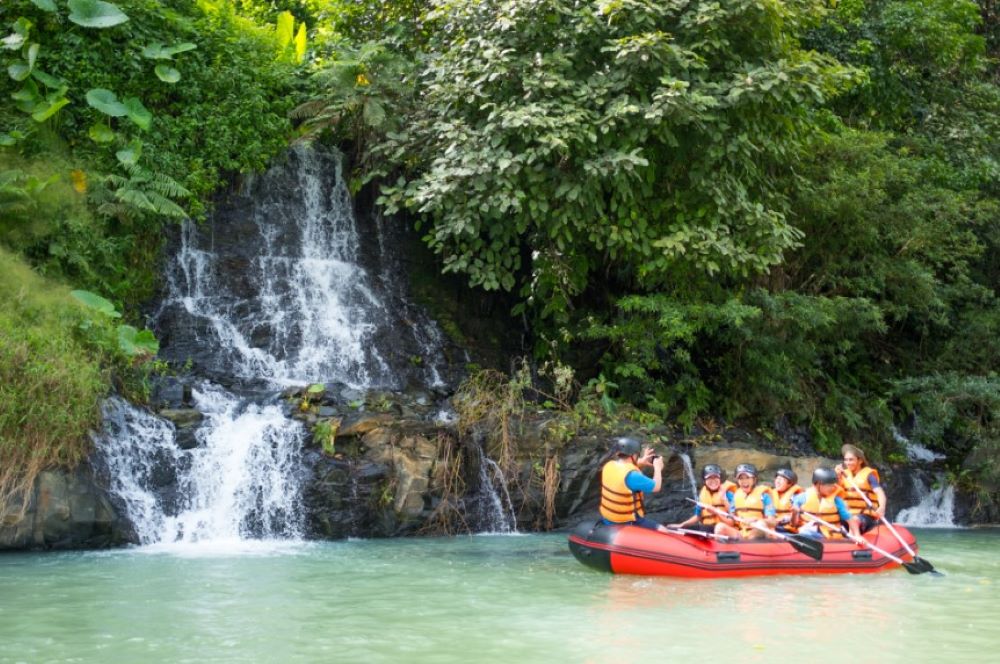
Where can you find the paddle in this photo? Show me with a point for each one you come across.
(698, 533)
(922, 564)
(804, 545)
(909, 567)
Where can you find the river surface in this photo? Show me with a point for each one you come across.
(481, 599)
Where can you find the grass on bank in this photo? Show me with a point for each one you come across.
(51, 382)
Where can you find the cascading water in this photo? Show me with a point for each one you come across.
(689, 473)
(935, 506)
(136, 448)
(242, 481)
(493, 509)
(271, 292)
(274, 290)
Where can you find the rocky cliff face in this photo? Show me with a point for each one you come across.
(396, 471)
(65, 510)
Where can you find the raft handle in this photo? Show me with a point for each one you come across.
(861, 555)
(727, 556)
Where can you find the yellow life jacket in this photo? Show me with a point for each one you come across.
(716, 500)
(619, 504)
(783, 505)
(853, 498)
(750, 505)
(825, 509)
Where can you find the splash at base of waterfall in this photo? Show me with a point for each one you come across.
(936, 508)
(242, 481)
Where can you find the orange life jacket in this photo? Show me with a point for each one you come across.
(750, 505)
(783, 505)
(619, 504)
(853, 498)
(716, 500)
(825, 509)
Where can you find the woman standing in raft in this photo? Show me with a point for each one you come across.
(824, 501)
(857, 478)
(622, 484)
(786, 487)
(715, 491)
(751, 502)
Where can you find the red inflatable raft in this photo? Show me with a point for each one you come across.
(634, 550)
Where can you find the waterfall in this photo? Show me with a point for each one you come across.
(138, 452)
(280, 287)
(240, 482)
(275, 289)
(492, 508)
(689, 473)
(935, 507)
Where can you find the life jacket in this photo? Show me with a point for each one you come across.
(619, 504)
(825, 509)
(783, 505)
(716, 500)
(853, 498)
(750, 505)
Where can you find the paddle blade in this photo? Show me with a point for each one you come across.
(925, 566)
(807, 545)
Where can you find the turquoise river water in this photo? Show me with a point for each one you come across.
(482, 599)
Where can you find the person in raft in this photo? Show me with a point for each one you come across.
(825, 500)
(857, 477)
(715, 491)
(623, 483)
(786, 487)
(752, 502)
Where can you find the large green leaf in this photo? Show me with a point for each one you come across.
(96, 302)
(45, 5)
(101, 133)
(48, 108)
(158, 51)
(129, 156)
(300, 43)
(285, 27)
(167, 74)
(138, 113)
(95, 13)
(49, 81)
(135, 343)
(106, 102)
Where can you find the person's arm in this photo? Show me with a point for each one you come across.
(636, 481)
(879, 493)
(797, 503)
(690, 521)
(770, 513)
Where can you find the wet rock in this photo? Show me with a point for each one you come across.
(66, 509)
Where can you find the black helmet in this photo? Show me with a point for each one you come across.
(626, 447)
(824, 476)
(712, 469)
(788, 474)
(747, 468)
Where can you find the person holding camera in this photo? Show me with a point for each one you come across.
(623, 483)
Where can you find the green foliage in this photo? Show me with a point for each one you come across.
(553, 141)
(51, 381)
(960, 415)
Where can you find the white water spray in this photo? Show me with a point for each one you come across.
(689, 473)
(935, 508)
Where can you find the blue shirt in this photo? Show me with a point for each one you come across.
(636, 481)
(845, 514)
